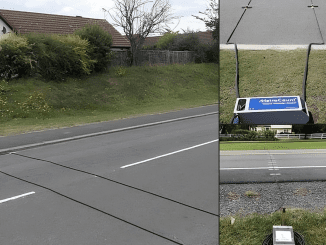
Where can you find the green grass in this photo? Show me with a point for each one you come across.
(253, 229)
(34, 104)
(273, 73)
(273, 145)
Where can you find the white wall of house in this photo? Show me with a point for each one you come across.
(3, 24)
(277, 128)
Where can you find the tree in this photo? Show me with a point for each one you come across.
(138, 23)
(212, 23)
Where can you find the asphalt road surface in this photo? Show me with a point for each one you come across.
(273, 166)
(86, 192)
(148, 185)
(281, 22)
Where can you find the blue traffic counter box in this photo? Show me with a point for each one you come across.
(272, 110)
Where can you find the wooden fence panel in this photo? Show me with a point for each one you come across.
(146, 57)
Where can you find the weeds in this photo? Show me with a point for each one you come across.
(252, 229)
(105, 96)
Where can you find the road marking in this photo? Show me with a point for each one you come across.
(15, 197)
(168, 154)
(51, 142)
(269, 167)
(276, 174)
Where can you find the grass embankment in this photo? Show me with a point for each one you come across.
(34, 104)
(273, 73)
(253, 229)
(273, 145)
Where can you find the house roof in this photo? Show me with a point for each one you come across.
(150, 41)
(204, 37)
(27, 22)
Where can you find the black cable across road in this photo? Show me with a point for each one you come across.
(308, 53)
(99, 210)
(277, 183)
(245, 9)
(117, 182)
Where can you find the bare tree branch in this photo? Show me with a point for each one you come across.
(138, 22)
(212, 19)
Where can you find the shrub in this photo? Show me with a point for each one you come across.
(252, 136)
(166, 41)
(59, 56)
(100, 42)
(185, 42)
(15, 56)
(240, 131)
(212, 54)
(201, 53)
(269, 134)
(189, 41)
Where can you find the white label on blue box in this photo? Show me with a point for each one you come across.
(274, 103)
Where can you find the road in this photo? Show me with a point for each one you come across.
(273, 166)
(145, 185)
(86, 192)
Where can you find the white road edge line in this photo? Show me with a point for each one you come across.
(51, 142)
(15, 197)
(168, 154)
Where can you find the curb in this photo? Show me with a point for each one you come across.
(51, 142)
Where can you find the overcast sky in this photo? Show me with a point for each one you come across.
(93, 9)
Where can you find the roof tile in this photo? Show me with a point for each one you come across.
(27, 22)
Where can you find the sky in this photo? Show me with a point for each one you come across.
(93, 9)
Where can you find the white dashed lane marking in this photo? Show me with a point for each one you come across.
(16, 197)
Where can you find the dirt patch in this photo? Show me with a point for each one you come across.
(301, 192)
(233, 195)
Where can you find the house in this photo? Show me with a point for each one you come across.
(278, 128)
(204, 37)
(28, 22)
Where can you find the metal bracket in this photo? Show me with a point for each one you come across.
(247, 7)
(312, 6)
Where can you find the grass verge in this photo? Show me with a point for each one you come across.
(253, 229)
(273, 73)
(34, 104)
(273, 145)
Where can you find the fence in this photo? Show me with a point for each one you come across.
(236, 135)
(146, 57)
(289, 136)
(301, 136)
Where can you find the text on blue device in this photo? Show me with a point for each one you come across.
(274, 103)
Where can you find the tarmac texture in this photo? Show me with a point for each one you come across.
(277, 22)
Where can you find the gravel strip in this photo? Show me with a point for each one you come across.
(270, 197)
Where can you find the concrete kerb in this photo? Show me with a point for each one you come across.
(271, 47)
(29, 146)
